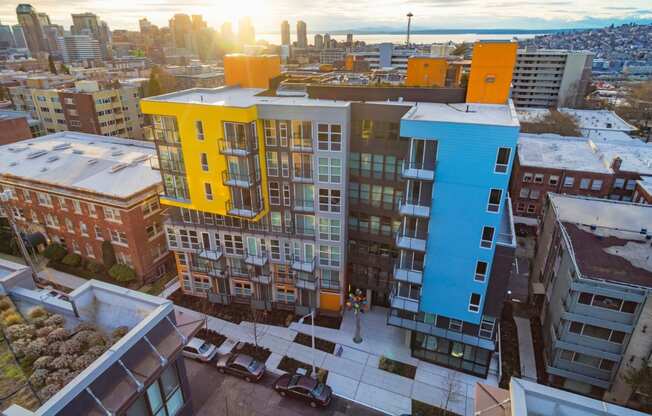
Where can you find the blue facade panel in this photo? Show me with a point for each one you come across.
(464, 175)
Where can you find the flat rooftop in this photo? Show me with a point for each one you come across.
(646, 183)
(104, 165)
(636, 155)
(609, 239)
(463, 113)
(239, 98)
(586, 119)
(559, 152)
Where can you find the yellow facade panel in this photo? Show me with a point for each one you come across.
(492, 67)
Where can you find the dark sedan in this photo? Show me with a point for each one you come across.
(241, 365)
(304, 388)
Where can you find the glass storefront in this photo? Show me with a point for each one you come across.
(452, 354)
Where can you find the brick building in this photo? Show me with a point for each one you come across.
(18, 125)
(79, 190)
(598, 167)
(643, 191)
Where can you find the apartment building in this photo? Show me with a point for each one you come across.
(18, 125)
(88, 107)
(643, 191)
(268, 188)
(79, 190)
(143, 372)
(591, 280)
(598, 167)
(547, 78)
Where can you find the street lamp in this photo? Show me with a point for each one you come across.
(356, 302)
(5, 197)
(312, 330)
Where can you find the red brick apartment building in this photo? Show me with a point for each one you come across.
(643, 191)
(601, 168)
(79, 190)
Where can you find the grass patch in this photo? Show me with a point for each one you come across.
(259, 353)
(291, 366)
(397, 367)
(320, 344)
(211, 336)
(425, 409)
(155, 288)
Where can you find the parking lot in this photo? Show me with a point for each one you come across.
(217, 394)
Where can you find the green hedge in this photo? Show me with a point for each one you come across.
(72, 259)
(55, 252)
(122, 273)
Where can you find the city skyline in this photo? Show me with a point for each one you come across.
(340, 16)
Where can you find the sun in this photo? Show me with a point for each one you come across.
(232, 11)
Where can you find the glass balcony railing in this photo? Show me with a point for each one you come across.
(411, 240)
(409, 273)
(414, 208)
(241, 180)
(237, 147)
(418, 171)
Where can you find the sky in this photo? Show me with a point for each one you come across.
(334, 15)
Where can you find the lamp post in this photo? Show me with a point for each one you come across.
(312, 331)
(5, 197)
(356, 302)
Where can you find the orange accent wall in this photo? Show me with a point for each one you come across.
(492, 68)
(251, 71)
(426, 72)
(329, 301)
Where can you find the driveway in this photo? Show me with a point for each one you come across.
(218, 394)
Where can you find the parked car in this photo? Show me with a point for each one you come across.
(305, 388)
(198, 349)
(241, 365)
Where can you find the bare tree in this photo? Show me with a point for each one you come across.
(452, 393)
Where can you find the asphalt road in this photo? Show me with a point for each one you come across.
(215, 394)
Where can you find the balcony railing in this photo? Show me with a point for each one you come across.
(289, 278)
(237, 147)
(304, 230)
(303, 205)
(414, 208)
(303, 265)
(242, 210)
(418, 170)
(241, 180)
(408, 273)
(407, 304)
(256, 258)
(238, 272)
(305, 281)
(411, 240)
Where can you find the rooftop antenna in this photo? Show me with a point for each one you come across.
(409, 16)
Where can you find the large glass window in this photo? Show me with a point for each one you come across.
(163, 397)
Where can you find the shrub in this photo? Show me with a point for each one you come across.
(58, 377)
(71, 347)
(19, 346)
(55, 320)
(55, 252)
(20, 331)
(82, 361)
(96, 351)
(39, 322)
(37, 312)
(38, 377)
(53, 348)
(43, 361)
(44, 331)
(94, 267)
(59, 334)
(12, 319)
(73, 260)
(36, 348)
(48, 391)
(62, 361)
(5, 303)
(6, 313)
(119, 332)
(122, 273)
(108, 254)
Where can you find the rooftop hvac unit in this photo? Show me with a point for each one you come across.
(36, 154)
(62, 146)
(118, 167)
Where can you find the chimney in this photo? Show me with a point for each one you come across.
(615, 164)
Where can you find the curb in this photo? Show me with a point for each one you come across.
(362, 404)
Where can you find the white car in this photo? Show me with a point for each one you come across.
(198, 349)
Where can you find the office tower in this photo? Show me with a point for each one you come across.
(547, 78)
(302, 34)
(181, 28)
(319, 41)
(89, 24)
(198, 23)
(76, 48)
(294, 203)
(349, 39)
(52, 33)
(19, 36)
(285, 33)
(6, 37)
(327, 40)
(246, 32)
(29, 20)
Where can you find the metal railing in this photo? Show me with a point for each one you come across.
(245, 145)
(243, 180)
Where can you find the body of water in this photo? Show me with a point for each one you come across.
(275, 38)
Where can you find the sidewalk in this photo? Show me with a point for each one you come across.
(47, 273)
(355, 375)
(526, 349)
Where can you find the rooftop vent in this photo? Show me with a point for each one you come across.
(36, 154)
(52, 159)
(92, 161)
(141, 158)
(13, 164)
(116, 153)
(78, 152)
(43, 169)
(118, 167)
(62, 146)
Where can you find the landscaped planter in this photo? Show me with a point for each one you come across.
(212, 337)
(397, 367)
(259, 353)
(425, 409)
(320, 344)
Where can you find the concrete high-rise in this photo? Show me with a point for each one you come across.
(319, 41)
(6, 37)
(302, 34)
(246, 31)
(19, 36)
(29, 20)
(181, 28)
(327, 40)
(89, 24)
(285, 33)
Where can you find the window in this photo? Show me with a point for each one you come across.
(494, 200)
(287, 201)
(43, 199)
(112, 214)
(607, 302)
(481, 271)
(274, 193)
(199, 130)
(597, 332)
(208, 191)
(149, 208)
(474, 303)
(27, 196)
(171, 236)
(75, 247)
(569, 182)
(301, 134)
(119, 237)
(242, 289)
(596, 185)
(89, 251)
(99, 235)
(285, 165)
(553, 180)
(329, 137)
(527, 177)
(486, 329)
(329, 229)
(455, 325)
(164, 396)
(233, 244)
(92, 212)
(305, 224)
(51, 221)
(69, 226)
(302, 166)
(272, 163)
(619, 183)
(203, 160)
(269, 128)
(83, 229)
(502, 160)
(524, 193)
(283, 133)
(330, 170)
(535, 194)
(284, 294)
(329, 255)
(153, 230)
(330, 279)
(329, 200)
(487, 237)
(538, 178)
(584, 183)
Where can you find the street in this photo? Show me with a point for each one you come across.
(215, 394)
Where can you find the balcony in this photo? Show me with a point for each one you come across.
(242, 211)
(407, 240)
(303, 265)
(303, 205)
(406, 304)
(256, 259)
(414, 208)
(506, 235)
(405, 273)
(240, 180)
(419, 171)
(260, 275)
(306, 281)
(238, 273)
(237, 147)
(285, 278)
(212, 255)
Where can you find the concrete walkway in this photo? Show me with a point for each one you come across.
(354, 374)
(47, 273)
(526, 349)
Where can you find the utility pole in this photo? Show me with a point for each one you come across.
(409, 16)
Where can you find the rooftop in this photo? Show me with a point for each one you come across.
(488, 114)
(587, 120)
(610, 240)
(239, 97)
(13, 114)
(559, 152)
(646, 183)
(635, 154)
(104, 165)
